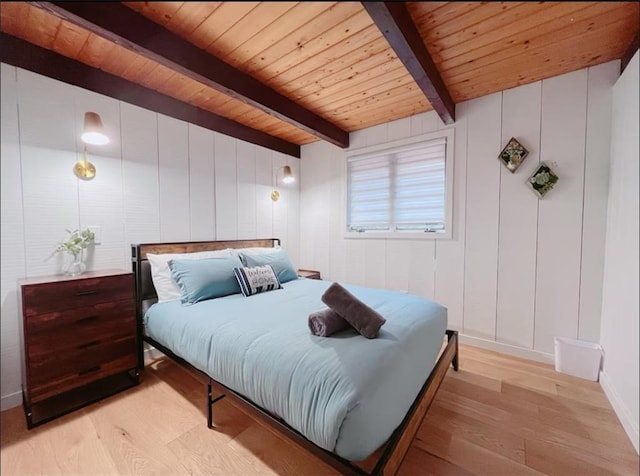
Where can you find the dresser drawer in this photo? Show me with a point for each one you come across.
(57, 296)
(81, 318)
(54, 367)
(70, 381)
(68, 331)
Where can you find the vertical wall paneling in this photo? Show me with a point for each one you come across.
(338, 258)
(449, 265)
(355, 253)
(280, 207)
(48, 153)
(100, 200)
(201, 184)
(293, 213)
(173, 165)
(321, 214)
(264, 185)
(620, 332)
(482, 220)
(400, 260)
(226, 188)
(596, 178)
(324, 206)
(12, 252)
(139, 129)
(246, 201)
(358, 138)
(399, 129)
(309, 195)
(373, 254)
(423, 123)
(375, 259)
(421, 267)
(518, 219)
(376, 135)
(560, 211)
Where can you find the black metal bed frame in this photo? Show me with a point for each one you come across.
(397, 445)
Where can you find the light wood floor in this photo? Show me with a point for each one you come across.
(497, 416)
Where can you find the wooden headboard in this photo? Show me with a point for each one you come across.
(145, 291)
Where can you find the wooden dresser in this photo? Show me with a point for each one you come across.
(78, 339)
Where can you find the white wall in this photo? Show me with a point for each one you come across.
(159, 179)
(519, 270)
(620, 314)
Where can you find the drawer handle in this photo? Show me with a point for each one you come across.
(89, 370)
(87, 319)
(86, 293)
(88, 344)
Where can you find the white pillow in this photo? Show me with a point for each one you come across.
(166, 286)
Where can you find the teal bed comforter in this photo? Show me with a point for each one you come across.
(345, 393)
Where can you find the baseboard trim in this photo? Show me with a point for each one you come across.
(508, 349)
(10, 401)
(629, 425)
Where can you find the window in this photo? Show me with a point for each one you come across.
(401, 189)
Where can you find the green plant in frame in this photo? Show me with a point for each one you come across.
(513, 154)
(542, 180)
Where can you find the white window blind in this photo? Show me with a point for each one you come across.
(398, 189)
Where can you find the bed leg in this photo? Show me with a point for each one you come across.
(210, 402)
(451, 335)
(209, 406)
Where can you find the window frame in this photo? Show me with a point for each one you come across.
(449, 135)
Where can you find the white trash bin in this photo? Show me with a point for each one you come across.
(578, 358)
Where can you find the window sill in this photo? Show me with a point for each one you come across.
(397, 235)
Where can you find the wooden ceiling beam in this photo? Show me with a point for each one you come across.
(395, 23)
(129, 29)
(20, 53)
(630, 51)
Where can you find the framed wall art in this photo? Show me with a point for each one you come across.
(513, 154)
(542, 180)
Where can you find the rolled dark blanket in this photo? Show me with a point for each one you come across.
(326, 322)
(365, 320)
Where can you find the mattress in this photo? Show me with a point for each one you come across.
(345, 393)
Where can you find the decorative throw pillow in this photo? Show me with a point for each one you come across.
(205, 278)
(166, 287)
(258, 279)
(277, 258)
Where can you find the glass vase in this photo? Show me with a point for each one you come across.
(74, 264)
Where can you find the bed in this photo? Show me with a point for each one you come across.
(341, 397)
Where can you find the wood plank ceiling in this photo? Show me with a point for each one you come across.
(331, 59)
